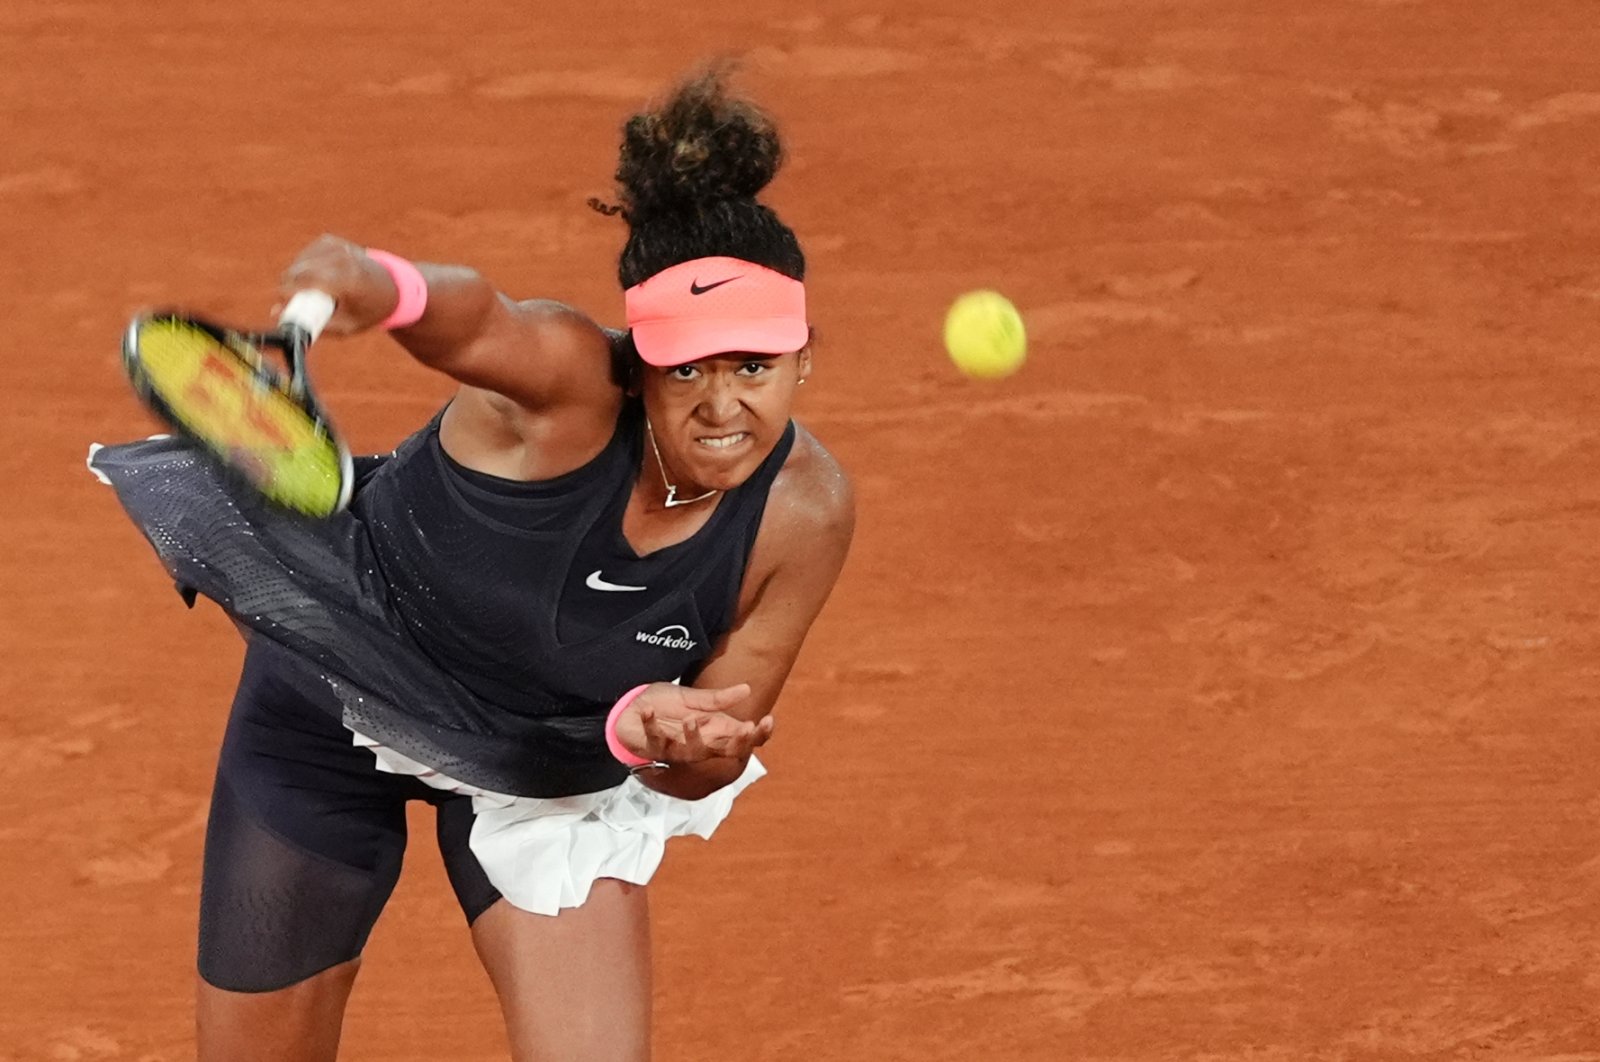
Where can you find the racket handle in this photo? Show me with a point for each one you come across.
(309, 311)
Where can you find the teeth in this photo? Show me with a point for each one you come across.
(722, 442)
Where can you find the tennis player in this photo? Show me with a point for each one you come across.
(561, 612)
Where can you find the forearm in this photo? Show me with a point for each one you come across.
(692, 781)
(461, 311)
(530, 352)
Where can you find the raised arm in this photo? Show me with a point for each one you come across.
(536, 353)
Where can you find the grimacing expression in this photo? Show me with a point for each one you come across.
(716, 419)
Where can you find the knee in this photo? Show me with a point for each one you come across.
(259, 975)
(299, 1021)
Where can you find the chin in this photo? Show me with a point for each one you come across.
(725, 472)
(711, 470)
(724, 477)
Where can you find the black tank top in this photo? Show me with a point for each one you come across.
(530, 597)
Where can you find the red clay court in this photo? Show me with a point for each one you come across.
(1221, 687)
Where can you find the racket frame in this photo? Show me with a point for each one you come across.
(297, 331)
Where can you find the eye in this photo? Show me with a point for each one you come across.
(753, 368)
(682, 372)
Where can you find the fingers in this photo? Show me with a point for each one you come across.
(363, 291)
(682, 724)
(655, 740)
(672, 740)
(693, 745)
(693, 738)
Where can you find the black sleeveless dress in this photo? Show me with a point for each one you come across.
(481, 626)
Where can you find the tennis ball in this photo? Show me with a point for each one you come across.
(984, 334)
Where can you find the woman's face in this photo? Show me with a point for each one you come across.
(715, 420)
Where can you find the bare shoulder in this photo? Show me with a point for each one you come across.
(542, 399)
(805, 533)
(554, 354)
(558, 318)
(812, 496)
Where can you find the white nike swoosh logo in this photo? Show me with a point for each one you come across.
(594, 582)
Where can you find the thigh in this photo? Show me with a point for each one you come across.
(304, 842)
(575, 985)
(454, 819)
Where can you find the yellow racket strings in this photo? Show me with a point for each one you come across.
(217, 397)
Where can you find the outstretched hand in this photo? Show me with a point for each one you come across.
(681, 724)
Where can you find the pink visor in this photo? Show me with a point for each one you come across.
(716, 306)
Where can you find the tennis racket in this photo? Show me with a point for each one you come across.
(217, 386)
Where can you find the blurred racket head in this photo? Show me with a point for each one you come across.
(218, 387)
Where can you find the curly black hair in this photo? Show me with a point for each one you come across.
(688, 177)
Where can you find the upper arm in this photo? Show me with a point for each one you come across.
(535, 352)
(799, 552)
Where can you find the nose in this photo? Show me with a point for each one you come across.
(721, 401)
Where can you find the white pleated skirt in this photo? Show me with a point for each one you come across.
(545, 854)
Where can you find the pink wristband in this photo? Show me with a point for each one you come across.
(413, 289)
(618, 749)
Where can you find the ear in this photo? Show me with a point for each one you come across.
(805, 362)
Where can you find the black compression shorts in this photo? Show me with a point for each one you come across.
(306, 835)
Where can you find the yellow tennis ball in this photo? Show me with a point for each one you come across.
(984, 334)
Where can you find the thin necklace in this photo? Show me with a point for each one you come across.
(672, 492)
